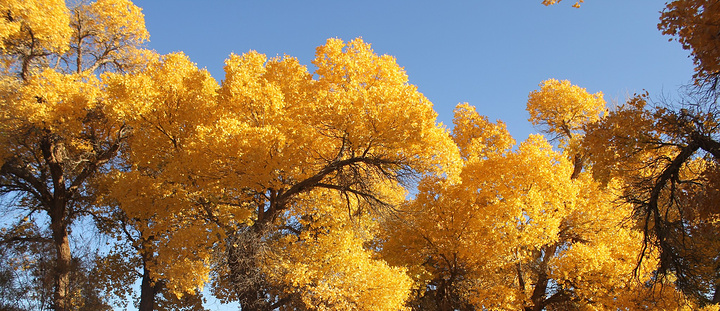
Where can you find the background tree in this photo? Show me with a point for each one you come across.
(664, 155)
(561, 110)
(28, 276)
(56, 132)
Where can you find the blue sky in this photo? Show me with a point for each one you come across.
(490, 54)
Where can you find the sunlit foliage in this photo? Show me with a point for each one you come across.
(518, 231)
(695, 24)
(56, 128)
(283, 188)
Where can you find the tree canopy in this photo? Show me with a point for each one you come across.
(285, 188)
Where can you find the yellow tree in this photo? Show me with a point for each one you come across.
(665, 157)
(164, 103)
(226, 168)
(55, 130)
(561, 110)
(358, 124)
(520, 229)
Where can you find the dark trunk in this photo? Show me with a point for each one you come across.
(63, 257)
(578, 163)
(444, 302)
(716, 296)
(53, 152)
(148, 290)
(538, 298)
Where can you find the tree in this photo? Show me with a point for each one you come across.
(357, 145)
(225, 170)
(666, 163)
(562, 110)
(664, 157)
(56, 128)
(149, 194)
(28, 277)
(523, 228)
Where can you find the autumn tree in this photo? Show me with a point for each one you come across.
(666, 161)
(231, 170)
(165, 103)
(334, 133)
(524, 227)
(56, 128)
(28, 271)
(514, 225)
(665, 156)
(561, 110)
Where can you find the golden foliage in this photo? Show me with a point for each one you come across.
(315, 165)
(30, 24)
(518, 221)
(328, 265)
(208, 160)
(551, 2)
(695, 24)
(476, 137)
(562, 108)
(57, 131)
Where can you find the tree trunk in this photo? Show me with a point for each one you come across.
(245, 275)
(148, 291)
(53, 152)
(538, 296)
(716, 296)
(578, 163)
(63, 257)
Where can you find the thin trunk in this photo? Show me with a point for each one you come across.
(521, 281)
(716, 296)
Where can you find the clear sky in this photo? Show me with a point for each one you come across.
(491, 54)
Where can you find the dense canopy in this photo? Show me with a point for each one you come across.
(332, 186)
